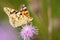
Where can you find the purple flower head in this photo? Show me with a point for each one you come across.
(28, 32)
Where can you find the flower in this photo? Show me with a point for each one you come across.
(28, 31)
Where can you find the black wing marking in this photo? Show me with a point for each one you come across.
(14, 11)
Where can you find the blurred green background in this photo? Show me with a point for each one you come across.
(45, 13)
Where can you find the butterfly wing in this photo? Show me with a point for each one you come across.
(18, 18)
(12, 14)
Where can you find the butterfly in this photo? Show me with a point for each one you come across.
(18, 18)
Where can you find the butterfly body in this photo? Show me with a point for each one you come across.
(18, 18)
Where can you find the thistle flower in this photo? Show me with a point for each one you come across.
(28, 32)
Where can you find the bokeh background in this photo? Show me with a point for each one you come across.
(46, 17)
